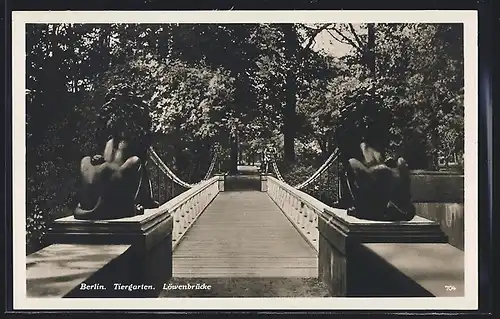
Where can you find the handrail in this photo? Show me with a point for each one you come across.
(175, 202)
(308, 199)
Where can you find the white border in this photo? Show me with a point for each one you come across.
(468, 18)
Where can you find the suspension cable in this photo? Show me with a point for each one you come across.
(277, 171)
(211, 167)
(170, 174)
(331, 159)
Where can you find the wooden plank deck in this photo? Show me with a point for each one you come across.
(244, 234)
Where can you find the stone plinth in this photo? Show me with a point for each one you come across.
(437, 187)
(148, 261)
(439, 196)
(425, 269)
(59, 270)
(343, 265)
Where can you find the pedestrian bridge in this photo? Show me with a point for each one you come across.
(253, 235)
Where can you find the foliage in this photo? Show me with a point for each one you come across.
(418, 85)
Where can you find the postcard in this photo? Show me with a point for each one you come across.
(257, 160)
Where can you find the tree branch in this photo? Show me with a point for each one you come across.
(337, 39)
(348, 40)
(356, 37)
(345, 42)
(314, 33)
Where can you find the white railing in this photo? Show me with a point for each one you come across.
(300, 208)
(188, 206)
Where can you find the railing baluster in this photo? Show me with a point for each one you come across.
(181, 223)
(159, 178)
(286, 202)
(165, 186)
(190, 207)
(173, 190)
(294, 208)
(302, 213)
(299, 213)
(191, 212)
(176, 224)
(185, 219)
(152, 171)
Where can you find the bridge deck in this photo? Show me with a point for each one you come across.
(244, 234)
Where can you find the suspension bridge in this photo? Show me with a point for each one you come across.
(254, 235)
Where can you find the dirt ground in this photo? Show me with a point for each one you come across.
(246, 287)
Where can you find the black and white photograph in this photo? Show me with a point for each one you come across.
(253, 160)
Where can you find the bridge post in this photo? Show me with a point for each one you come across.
(221, 180)
(347, 267)
(146, 264)
(263, 182)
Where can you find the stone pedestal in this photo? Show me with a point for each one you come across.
(146, 264)
(437, 187)
(344, 265)
(221, 180)
(263, 182)
(439, 196)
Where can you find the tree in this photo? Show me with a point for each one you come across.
(415, 82)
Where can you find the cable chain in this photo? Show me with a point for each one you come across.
(167, 171)
(326, 165)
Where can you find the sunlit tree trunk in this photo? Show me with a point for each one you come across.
(233, 155)
(289, 112)
(370, 51)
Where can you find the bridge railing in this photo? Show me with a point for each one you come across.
(300, 208)
(436, 195)
(187, 207)
(366, 258)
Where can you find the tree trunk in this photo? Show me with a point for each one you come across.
(289, 112)
(233, 166)
(289, 126)
(371, 63)
(370, 50)
(434, 141)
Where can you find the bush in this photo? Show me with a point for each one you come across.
(36, 223)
